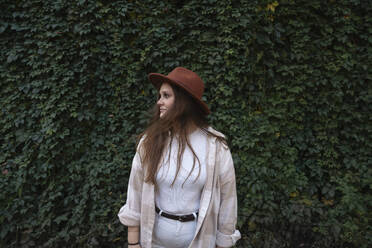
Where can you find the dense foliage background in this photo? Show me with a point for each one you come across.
(289, 83)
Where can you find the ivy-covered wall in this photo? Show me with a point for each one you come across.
(288, 81)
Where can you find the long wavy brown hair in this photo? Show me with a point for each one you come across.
(179, 121)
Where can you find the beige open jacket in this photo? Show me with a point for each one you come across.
(218, 203)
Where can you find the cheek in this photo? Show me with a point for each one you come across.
(170, 103)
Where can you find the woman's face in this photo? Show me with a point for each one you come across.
(166, 98)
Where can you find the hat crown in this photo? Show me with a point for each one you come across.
(188, 79)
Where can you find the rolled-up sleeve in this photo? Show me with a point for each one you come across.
(227, 235)
(130, 213)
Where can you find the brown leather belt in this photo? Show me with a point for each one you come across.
(182, 218)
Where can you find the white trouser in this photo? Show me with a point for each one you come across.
(170, 233)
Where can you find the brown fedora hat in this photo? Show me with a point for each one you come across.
(184, 78)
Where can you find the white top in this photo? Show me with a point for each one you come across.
(178, 199)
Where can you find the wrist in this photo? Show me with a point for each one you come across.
(134, 245)
(133, 239)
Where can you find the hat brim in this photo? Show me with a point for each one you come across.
(158, 79)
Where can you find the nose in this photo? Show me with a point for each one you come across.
(160, 101)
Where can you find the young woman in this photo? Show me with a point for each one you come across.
(181, 190)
